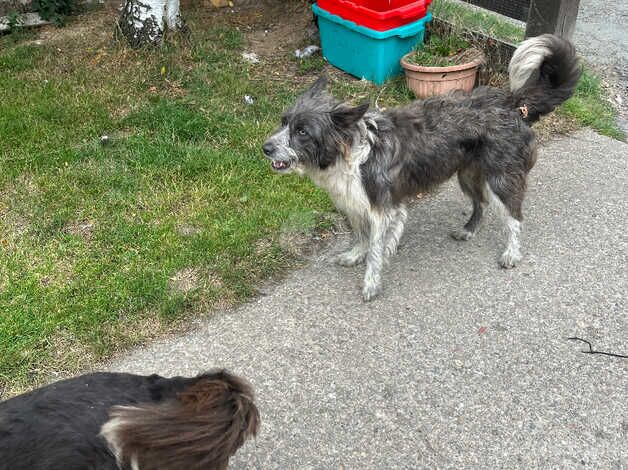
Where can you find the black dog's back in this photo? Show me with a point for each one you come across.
(62, 421)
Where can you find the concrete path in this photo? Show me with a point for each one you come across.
(459, 364)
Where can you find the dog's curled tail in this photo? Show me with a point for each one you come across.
(200, 429)
(544, 72)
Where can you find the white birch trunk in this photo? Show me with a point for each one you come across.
(173, 17)
(145, 21)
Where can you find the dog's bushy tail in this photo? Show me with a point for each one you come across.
(544, 72)
(200, 429)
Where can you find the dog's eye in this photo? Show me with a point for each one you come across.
(284, 121)
(301, 131)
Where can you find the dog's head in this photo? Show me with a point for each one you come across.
(314, 132)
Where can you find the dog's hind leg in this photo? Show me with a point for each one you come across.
(472, 185)
(507, 196)
(396, 230)
(379, 224)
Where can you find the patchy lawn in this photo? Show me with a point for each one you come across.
(106, 245)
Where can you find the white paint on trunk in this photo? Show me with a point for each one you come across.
(161, 13)
(173, 18)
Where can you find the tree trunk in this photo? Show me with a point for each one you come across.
(143, 22)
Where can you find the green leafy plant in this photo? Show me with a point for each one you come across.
(55, 10)
(443, 51)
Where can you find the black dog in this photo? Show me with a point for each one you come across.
(111, 421)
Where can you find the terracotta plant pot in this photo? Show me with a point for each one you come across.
(430, 81)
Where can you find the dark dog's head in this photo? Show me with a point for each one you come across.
(314, 132)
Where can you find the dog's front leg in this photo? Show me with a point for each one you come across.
(357, 253)
(378, 222)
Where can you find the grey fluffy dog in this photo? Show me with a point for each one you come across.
(370, 162)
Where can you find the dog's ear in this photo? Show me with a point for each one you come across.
(318, 87)
(344, 116)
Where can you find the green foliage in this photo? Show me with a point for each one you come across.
(55, 10)
(14, 20)
(440, 51)
(314, 63)
(590, 107)
(93, 235)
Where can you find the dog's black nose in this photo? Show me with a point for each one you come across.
(268, 148)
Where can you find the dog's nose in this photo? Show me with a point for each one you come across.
(268, 148)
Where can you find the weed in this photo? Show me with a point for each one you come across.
(441, 51)
(308, 65)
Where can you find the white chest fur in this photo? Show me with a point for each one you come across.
(343, 182)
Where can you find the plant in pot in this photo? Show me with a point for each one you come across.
(442, 64)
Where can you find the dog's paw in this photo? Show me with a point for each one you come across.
(510, 259)
(349, 258)
(370, 291)
(461, 235)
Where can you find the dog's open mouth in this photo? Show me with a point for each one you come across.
(279, 165)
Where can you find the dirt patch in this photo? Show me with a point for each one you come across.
(83, 229)
(280, 30)
(185, 280)
(273, 30)
(84, 26)
(14, 217)
(189, 279)
(302, 237)
(61, 275)
(552, 125)
(188, 230)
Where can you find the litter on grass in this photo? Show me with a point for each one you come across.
(306, 51)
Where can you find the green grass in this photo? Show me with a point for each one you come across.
(104, 246)
(314, 63)
(92, 236)
(590, 107)
(477, 20)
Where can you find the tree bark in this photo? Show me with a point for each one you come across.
(144, 22)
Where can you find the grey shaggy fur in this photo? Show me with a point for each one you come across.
(370, 162)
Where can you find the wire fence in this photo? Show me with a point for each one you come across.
(517, 9)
